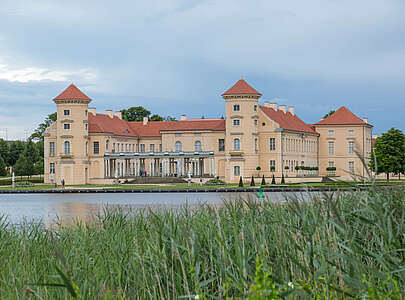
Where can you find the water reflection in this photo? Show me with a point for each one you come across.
(69, 208)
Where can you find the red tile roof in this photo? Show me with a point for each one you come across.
(241, 88)
(287, 120)
(101, 123)
(342, 116)
(72, 92)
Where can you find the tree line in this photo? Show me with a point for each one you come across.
(25, 158)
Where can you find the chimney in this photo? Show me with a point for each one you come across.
(365, 120)
(183, 118)
(375, 136)
(109, 113)
(291, 110)
(118, 114)
(283, 108)
(145, 120)
(92, 110)
(273, 105)
(266, 103)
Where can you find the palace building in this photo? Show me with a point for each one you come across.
(85, 147)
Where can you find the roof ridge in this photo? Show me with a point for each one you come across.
(241, 87)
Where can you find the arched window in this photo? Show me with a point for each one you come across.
(67, 147)
(106, 145)
(87, 148)
(236, 171)
(197, 146)
(236, 144)
(179, 147)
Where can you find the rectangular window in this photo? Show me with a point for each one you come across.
(66, 126)
(236, 122)
(331, 164)
(221, 145)
(106, 145)
(331, 148)
(236, 107)
(142, 147)
(152, 148)
(256, 146)
(126, 147)
(86, 126)
(255, 122)
(351, 132)
(66, 112)
(197, 134)
(254, 107)
(331, 132)
(236, 171)
(96, 147)
(52, 148)
(52, 168)
(272, 144)
(122, 147)
(177, 134)
(113, 149)
(272, 165)
(160, 147)
(351, 147)
(351, 166)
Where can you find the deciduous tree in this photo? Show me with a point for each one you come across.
(389, 153)
(37, 135)
(3, 170)
(16, 149)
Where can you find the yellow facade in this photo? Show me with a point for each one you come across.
(251, 139)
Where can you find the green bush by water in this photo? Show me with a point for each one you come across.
(349, 244)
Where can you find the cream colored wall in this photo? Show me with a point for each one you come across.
(341, 157)
(247, 158)
(70, 167)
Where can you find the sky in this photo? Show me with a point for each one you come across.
(177, 57)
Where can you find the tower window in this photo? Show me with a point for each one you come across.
(66, 126)
(236, 144)
(236, 122)
(66, 112)
(236, 107)
(221, 145)
(272, 144)
(96, 147)
(255, 107)
(67, 147)
(52, 148)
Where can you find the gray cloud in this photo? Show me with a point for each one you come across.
(179, 56)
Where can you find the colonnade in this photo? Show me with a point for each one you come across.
(164, 167)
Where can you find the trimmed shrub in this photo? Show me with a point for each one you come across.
(263, 181)
(252, 181)
(282, 179)
(273, 180)
(240, 182)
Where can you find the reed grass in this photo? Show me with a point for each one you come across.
(341, 245)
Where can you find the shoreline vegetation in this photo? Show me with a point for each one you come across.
(342, 245)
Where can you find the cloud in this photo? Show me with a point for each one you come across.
(180, 55)
(37, 74)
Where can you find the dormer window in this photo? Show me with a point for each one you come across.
(236, 107)
(66, 112)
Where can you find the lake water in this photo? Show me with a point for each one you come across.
(47, 208)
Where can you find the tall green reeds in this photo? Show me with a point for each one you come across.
(342, 245)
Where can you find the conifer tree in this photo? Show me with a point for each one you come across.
(252, 181)
(263, 181)
(273, 180)
(240, 182)
(282, 179)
